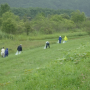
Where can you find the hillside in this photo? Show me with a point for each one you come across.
(82, 5)
(61, 67)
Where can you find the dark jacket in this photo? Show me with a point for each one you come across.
(6, 52)
(19, 48)
(60, 38)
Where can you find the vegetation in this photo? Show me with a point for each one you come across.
(42, 23)
(63, 66)
(82, 5)
(32, 12)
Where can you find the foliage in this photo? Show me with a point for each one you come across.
(9, 14)
(28, 27)
(85, 26)
(4, 36)
(33, 12)
(9, 26)
(83, 5)
(56, 18)
(48, 21)
(20, 27)
(4, 8)
(11, 23)
(77, 16)
(68, 24)
(66, 16)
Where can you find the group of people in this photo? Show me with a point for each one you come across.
(59, 41)
(4, 52)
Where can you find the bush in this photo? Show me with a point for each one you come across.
(46, 30)
(9, 26)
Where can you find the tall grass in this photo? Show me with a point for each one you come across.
(29, 42)
(6, 36)
(50, 36)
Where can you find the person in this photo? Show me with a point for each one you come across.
(6, 52)
(2, 52)
(47, 44)
(65, 38)
(60, 39)
(19, 48)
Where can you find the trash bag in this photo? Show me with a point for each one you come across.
(45, 47)
(1, 53)
(63, 41)
(16, 53)
(58, 41)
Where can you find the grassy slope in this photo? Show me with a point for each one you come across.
(48, 69)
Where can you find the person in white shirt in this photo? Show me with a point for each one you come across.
(3, 52)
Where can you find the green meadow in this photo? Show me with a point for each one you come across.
(64, 66)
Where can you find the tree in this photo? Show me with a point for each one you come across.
(28, 27)
(77, 16)
(4, 8)
(9, 14)
(56, 18)
(9, 26)
(9, 22)
(66, 16)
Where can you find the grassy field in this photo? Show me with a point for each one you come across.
(29, 42)
(63, 66)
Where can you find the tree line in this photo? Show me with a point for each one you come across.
(82, 5)
(37, 21)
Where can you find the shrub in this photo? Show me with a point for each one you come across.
(9, 26)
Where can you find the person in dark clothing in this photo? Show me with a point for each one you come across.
(47, 44)
(19, 48)
(60, 39)
(6, 52)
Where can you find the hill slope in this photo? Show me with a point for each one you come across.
(62, 67)
(82, 5)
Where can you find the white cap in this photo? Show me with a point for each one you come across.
(46, 41)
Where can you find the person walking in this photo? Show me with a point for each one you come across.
(60, 39)
(2, 52)
(65, 38)
(19, 48)
(6, 52)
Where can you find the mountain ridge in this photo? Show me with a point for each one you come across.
(83, 5)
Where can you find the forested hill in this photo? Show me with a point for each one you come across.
(82, 5)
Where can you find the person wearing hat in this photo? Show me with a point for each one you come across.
(60, 39)
(19, 48)
(6, 52)
(47, 44)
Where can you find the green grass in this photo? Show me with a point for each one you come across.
(29, 42)
(62, 67)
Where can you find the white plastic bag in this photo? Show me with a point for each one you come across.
(63, 41)
(16, 53)
(58, 41)
(45, 47)
(1, 53)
